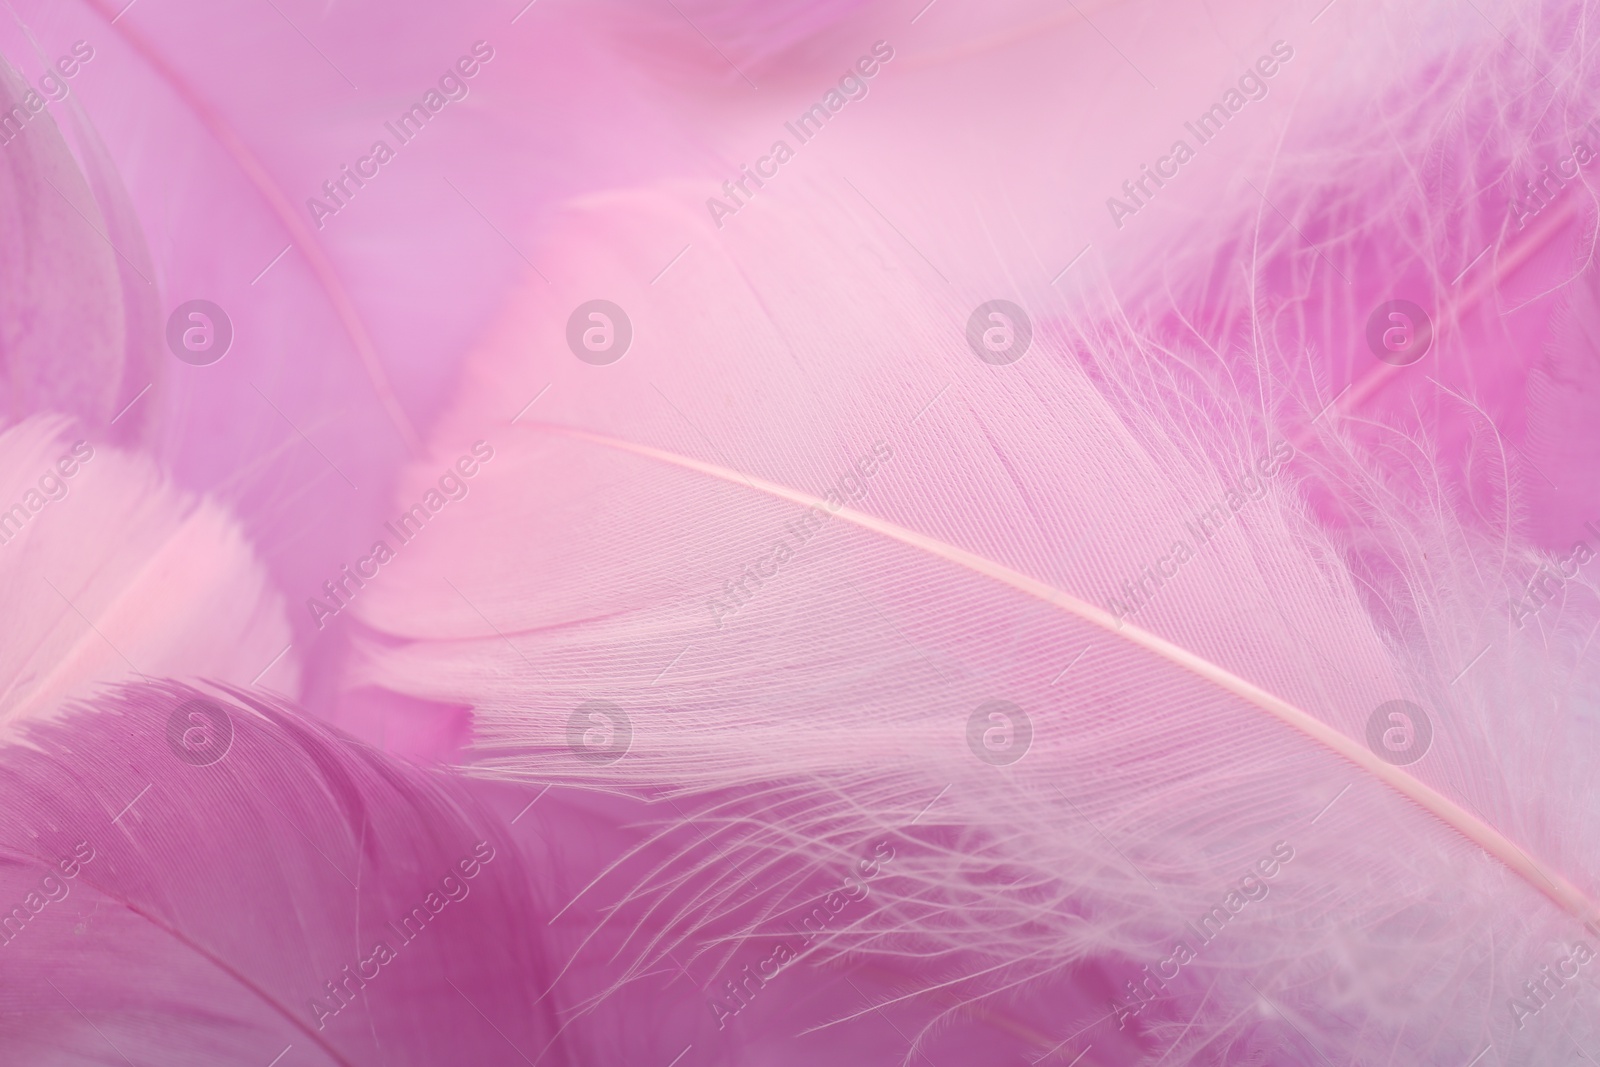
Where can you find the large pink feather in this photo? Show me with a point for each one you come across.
(788, 563)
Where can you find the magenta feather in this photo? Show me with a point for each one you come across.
(199, 876)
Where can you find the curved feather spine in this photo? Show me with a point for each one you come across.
(1560, 890)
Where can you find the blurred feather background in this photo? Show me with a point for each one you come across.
(916, 532)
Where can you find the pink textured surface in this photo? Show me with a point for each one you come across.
(883, 532)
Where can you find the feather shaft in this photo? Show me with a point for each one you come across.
(1551, 883)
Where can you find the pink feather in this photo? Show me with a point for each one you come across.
(799, 688)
